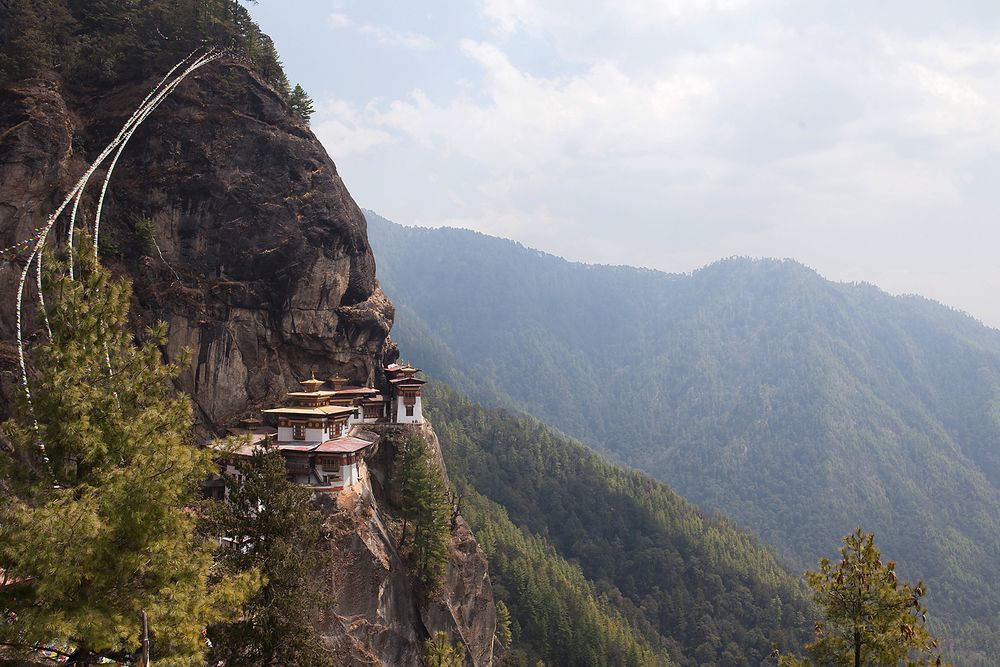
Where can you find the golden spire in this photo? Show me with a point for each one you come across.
(312, 384)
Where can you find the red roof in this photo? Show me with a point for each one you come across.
(407, 381)
(356, 390)
(343, 445)
(301, 448)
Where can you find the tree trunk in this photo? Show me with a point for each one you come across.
(857, 647)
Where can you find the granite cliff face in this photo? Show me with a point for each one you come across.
(261, 263)
(261, 267)
(377, 620)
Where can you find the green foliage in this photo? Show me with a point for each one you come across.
(271, 527)
(711, 592)
(439, 652)
(798, 407)
(503, 625)
(870, 617)
(94, 43)
(301, 103)
(36, 36)
(99, 527)
(142, 234)
(555, 613)
(424, 508)
(108, 250)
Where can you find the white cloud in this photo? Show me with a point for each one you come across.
(338, 20)
(669, 134)
(544, 15)
(343, 131)
(398, 38)
(385, 35)
(600, 114)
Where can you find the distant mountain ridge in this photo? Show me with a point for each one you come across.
(798, 406)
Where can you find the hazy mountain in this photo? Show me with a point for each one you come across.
(798, 406)
(686, 583)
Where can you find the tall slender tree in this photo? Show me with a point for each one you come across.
(425, 510)
(273, 527)
(98, 481)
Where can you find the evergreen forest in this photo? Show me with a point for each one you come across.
(798, 407)
(687, 583)
(94, 45)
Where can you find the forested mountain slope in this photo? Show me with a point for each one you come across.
(707, 592)
(797, 406)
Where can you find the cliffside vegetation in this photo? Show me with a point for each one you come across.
(102, 43)
(271, 526)
(799, 407)
(424, 508)
(668, 576)
(98, 478)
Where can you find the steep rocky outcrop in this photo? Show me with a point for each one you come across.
(378, 619)
(261, 267)
(261, 263)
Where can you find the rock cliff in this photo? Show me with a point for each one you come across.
(259, 262)
(377, 618)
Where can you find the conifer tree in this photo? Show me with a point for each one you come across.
(425, 510)
(503, 625)
(870, 616)
(272, 526)
(439, 652)
(97, 527)
(301, 103)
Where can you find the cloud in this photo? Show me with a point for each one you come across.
(669, 134)
(391, 37)
(343, 131)
(338, 20)
(540, 15)
(385, 35)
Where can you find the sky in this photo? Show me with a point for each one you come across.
(859, 138)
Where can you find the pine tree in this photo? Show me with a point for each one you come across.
(503, 625)
(870, 617)
(439, 652)
(273, 527)
(425, 510)
(97, 527)
(301, 103)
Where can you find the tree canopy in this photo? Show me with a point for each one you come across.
(870, 616)
(424, 508)
(98, 520)
(102, 43)
(796, 406)
(654, 575)
(272, 526)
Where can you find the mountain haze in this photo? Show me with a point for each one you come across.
(797, 406)
(690, 584)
